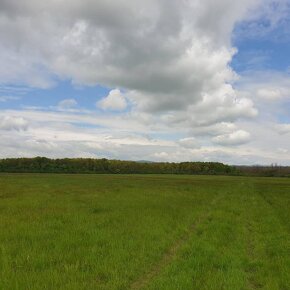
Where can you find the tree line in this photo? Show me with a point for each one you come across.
(273, 170)
(89, 165)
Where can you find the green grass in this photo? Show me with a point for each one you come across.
(144, 232)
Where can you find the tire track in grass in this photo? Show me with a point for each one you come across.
(252, 283)
(273, 207)
(172, 252)
(250, 218)
(254, 222)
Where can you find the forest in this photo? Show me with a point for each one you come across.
(90, 165)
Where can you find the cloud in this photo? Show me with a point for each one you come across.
(214, 129)
(283, 128)
(4, 99)
(283, 150)
(115, 101)
(267, 85)
(269, 90)
(190, 142)
(71, 134)
(8, 123)
(171, 61)
(166, 55)
(67, 104)
(236, 138)
(270, 94)
(270, 21)
(161, 155)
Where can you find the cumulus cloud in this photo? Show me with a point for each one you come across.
(115, 101)
(236, 138)
(167, 55)
(171, 61)
(13, 123)
(270, 90)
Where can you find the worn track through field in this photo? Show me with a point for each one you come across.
(171, 253)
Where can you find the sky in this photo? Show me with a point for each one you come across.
(159, 80)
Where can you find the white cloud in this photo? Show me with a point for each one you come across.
(283, 150)
(236, 138)
(266, 84)
(270, 90)
(13, 123)
(190, 142)
(161, 156)
(270, 94)
(170, 59)
(270, 21)
(4, 99)
(115, 101)
(57, 134)
(67, 104)
(283, 128)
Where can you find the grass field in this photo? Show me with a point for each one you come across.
(144, 232)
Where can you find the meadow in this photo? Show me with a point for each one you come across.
(144, 232)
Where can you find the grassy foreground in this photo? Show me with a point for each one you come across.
(144, 232)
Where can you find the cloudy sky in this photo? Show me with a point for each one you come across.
(162, 80)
